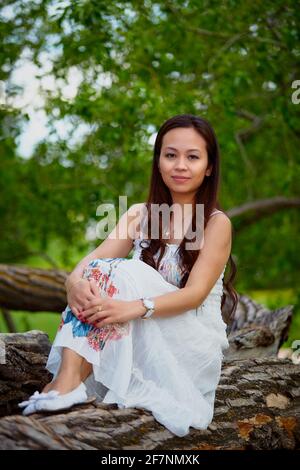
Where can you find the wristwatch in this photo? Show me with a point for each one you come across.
(149, 305)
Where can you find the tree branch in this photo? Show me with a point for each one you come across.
(252, 212)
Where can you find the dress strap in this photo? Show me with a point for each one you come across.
(215, 212)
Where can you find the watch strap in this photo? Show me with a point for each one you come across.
(149, 312)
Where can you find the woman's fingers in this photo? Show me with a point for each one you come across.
(91, 308)
(98, 317)
(87, 314)
(76, 311)
(94, 287)
(83, 301)
(83, 296)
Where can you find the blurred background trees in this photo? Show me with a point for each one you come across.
(107, 75)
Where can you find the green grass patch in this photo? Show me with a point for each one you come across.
(25, 321)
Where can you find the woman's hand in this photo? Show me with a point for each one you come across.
(112, 311)
(80, 293)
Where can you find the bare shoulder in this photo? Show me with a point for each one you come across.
(220, 216)
(218, 231)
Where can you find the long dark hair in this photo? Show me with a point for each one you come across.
(207, 193)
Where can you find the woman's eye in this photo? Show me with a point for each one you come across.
(173, 155)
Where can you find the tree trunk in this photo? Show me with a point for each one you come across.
(257, 401)
(32, 289)
(22, 367)
(257, 331)
(257, 407)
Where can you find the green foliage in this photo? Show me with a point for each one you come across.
(24, 321)
(142, 62)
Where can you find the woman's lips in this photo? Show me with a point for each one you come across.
(180, 179)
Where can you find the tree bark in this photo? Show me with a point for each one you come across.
(32, 289)
(22, 367)
(257, 401)
(257, 331)
(257, 406)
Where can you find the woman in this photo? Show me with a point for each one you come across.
(169, 364)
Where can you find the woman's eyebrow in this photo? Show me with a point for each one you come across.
(190, 150)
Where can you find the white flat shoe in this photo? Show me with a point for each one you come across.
(38, 396)
(53, 400)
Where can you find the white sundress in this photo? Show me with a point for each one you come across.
(169, 366)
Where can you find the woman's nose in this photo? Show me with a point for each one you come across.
(181, 164)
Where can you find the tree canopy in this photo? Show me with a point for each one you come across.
(137, 63)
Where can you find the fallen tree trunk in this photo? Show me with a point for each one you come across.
(257, 407)
(32, 289)
(22, 367)
(257, 400)
(255, 332)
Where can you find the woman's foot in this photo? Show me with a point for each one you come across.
(54, 401)
(63, 384)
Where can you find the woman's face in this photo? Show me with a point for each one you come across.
(183, 154)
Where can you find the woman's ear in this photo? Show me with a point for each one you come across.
(208, 171)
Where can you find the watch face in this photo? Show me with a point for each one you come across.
(149, 303)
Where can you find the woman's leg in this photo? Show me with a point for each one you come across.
(73, 370)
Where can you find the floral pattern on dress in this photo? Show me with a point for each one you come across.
(169, 266)
(97, 337)
(104, 280)
(78, 328)
(170, 271)
(62, 322)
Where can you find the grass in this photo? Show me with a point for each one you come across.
(25, 321)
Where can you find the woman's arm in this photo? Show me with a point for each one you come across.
(77, 272)
(167, 305)
(204, 274)
(118, 244)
